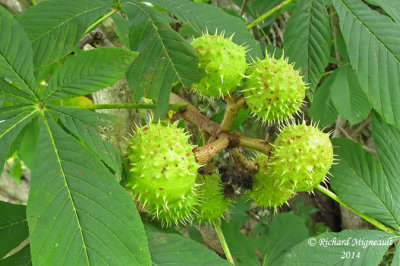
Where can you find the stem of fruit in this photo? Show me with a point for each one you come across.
(33, 2)
(175, 107)
(255, 144)
(239, 157)
(191, 114)
(268, 13)
(100, 20)
(207, 152)
(232, 108)
(365, 217)
(222, 240)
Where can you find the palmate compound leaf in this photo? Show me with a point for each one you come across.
(308, 39)
(55, 27)
(16, 57)
(360, 181)
(373, 45)
(88, 72)
(203, 17)
(77, 213)
(165, 56)
(348, 247)
(13, 226)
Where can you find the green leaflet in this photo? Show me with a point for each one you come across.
(348, 97)
(202, 17)
(322, 109)
(165, 56)
(88, 72)
(77, 210)
(55, 27)
(387, 144)
(360, 182)
(308, 39)
(373, 45)
(170, 248)
(16, 56)
(13, 226)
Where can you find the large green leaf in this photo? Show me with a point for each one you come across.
(396, 256)
(14, 94)
(77, 213)
(21, 258)
(391, 7)
(202, 17)
(16, 54)
(84, 125)
(308, 39)
(286, 230)
(169, 248)
(55, 27)
(12, 121)
(373, 44)
(349, 247)
(88, 72)
(13, 226)
(165, 56)
(348, 97)
(322, 109)
(387, 144)
(360, 182)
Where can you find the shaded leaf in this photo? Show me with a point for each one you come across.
(88, 72)
(285, 231)
(308, 39)
(16, 55)
(14, 94)
(13, 226)
(165, 56)
(202, 17)
(12, 121)
(171, 248)
(373, 44)
(326, 249)
(322, 109)
(359, 181)
(348, 97)
(21, 258)
(55, 27)
(387, 144)
(391, 7)
(77, 213)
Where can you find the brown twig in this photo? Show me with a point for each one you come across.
(243, 7)
(255, 144)
(360, 128)
(191, 114)
(232, 108)
(240, 158)
(207, 152)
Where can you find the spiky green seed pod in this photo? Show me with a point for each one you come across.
(163, 172)
(267, 188)
(212, 202)
(301, 157)
(224, 63)
(273, 90)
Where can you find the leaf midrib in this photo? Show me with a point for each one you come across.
(371, 33)
(74, 209)
(165, 51)
(17, 123)
(65, 22)
(373, 192)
